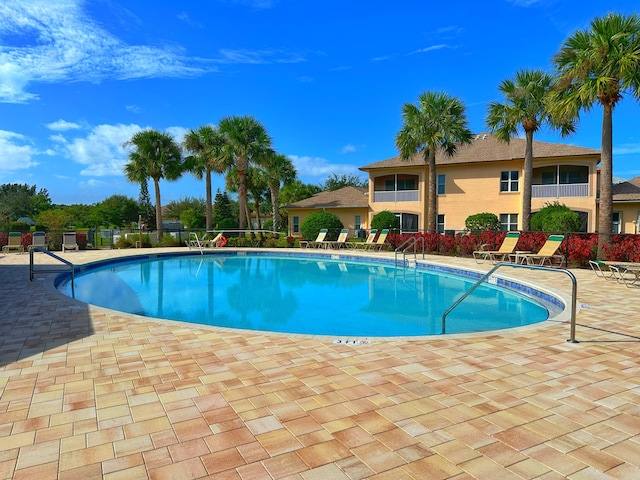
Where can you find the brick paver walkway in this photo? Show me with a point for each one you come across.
(87, 393)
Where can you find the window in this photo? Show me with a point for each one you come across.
(408, 222)
(509, 181)
(356, 223)
(509, 222)
(616, 222)
(441, 184)
(407, 182)
(440, 224)
(296, 224)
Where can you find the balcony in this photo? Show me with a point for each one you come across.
(559, 191)
(397, 196)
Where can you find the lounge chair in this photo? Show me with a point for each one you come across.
(624, 272)
(14, 243)
(547, 253)
(380, 242)
(38, 239)
(315, 243)
(341, 242)
(602, 269)
(218, 241)
(69, 241)
(508, 246)
(369, 241)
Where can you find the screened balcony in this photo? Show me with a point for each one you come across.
(560, 181)
(396, 188)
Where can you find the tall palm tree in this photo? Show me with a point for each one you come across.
(437, 123)
(524, 108)
(279, 170)
(247, 139)
(155, 155)
(209, 154)
(599, 65)
(256, 186)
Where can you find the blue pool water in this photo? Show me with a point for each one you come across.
(311, 295)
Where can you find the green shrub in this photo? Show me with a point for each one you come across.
(482, 222)
(556, 217)
(315, 222)
(19, 227)
(227, 223)
(385, 219)
(169, 241)
(123, 242)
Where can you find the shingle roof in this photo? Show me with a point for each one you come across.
(346, 197)
(627, 191)
(485, 147)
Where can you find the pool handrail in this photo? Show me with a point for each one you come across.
(409, 243)
(52, 255)
(574, 288)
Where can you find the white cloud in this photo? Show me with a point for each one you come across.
(102, 151)
(58, 42)
(184, 17)
(430, 48)
(177, 133)
(381, 59)
(15, 151)
(259, 57)
(307, 166)
(305, 79)
(525, 3)
(133, 108)
(348, 148)
(62, 125)
(626, 149)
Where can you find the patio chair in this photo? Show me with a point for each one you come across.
(39, 239)
(341, 242)
(602, 269)
(14, 243)
(69, 241)
(547, 253)
(625, 272)
(218, 241)
(315, 243)
(506, 248)
(380, 242)
(369, 241)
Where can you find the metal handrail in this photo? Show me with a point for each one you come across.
(199, 245)
(574, 292)
(406, 245)
(52, 255)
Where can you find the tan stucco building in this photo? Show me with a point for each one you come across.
(483, 176)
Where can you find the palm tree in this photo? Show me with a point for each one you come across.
(438, 122)
(155, 155)
(247, 139)
(279, 170)
(208, 147)
(524, 108)
(599, 65)
(256, 186)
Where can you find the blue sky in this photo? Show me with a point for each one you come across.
(327, 78)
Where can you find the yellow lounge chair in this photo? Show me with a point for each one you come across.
(341, 242)
(369, 241)
(319, 239)
(380, 242)
(508, 246)
(547, 253)
(14, 242)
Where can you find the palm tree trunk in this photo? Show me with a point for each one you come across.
(209, 201)
(156, 184)
(275, 210)
(242, 192)
(432, 211)
(527, 173)
(605, 217)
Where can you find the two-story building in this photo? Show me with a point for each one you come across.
(486, 176)
(483, 176)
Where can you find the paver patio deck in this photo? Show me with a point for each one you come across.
(90, 393)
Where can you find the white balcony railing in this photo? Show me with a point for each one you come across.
(558, 191)
(397, 196)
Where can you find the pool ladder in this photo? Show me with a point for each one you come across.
(574, 288)
(410, 245)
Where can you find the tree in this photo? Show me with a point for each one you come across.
(556, 218)
(18, 200)
(598, 65)
(316, 221)
(155, 155)
(482, 221)
(437, 123)
(209, 148)
(146, 209)
(247, 139)
(116, 210)
(385, 219)
(279, 170)
(336, 182)
(175, 208)
(524, 108)
(256, 186)
(222, 208)
(296, 191)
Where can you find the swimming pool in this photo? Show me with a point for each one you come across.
(311, 294)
